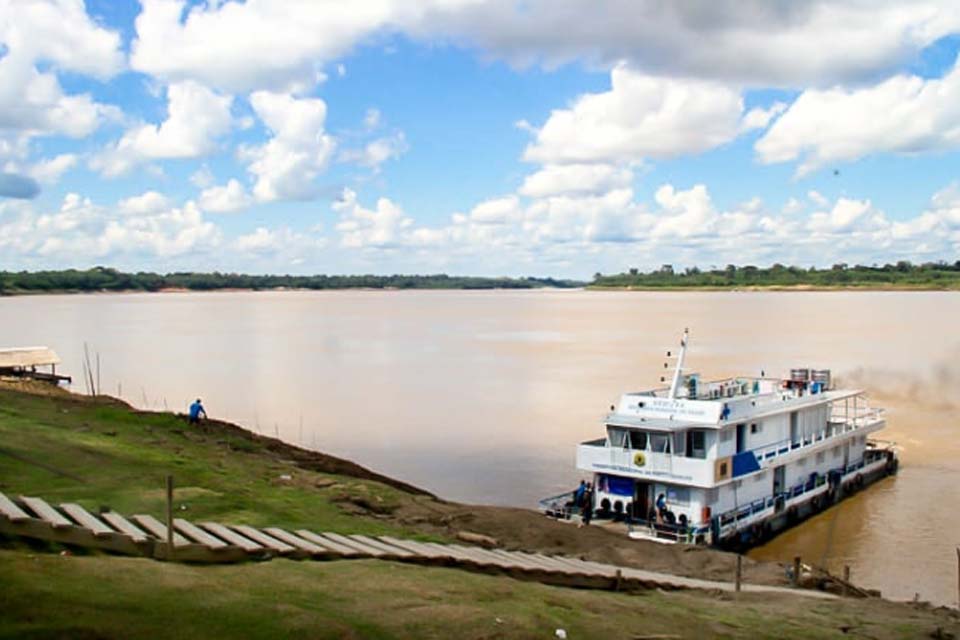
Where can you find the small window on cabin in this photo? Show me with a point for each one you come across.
(698, 441)
(660, 442)
(723, 469)
(638, 440)
(755, 428)
(618, 437)
(678, 496)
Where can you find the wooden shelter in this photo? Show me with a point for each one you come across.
(22, 362)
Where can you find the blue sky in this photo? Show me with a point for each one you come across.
(483, 137)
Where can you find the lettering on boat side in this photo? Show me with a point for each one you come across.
(640, 472)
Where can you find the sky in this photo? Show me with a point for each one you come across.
(485, 137)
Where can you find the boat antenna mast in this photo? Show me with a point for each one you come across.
(679, 370)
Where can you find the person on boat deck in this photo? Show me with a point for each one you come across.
(578, 493)
(587, 511)
(196, 410)
(661, 505)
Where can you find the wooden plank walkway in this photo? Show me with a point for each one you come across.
(214, 542)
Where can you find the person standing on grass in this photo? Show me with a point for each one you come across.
(196, 410)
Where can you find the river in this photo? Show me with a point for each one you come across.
(481, 396)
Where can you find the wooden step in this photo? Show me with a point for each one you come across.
(418, 548)
(360, 547)
(389, 549)
(298, 542)
(262, 538)
(343, 550)
(124, 526)
(232, 537)
(11, 510)
(198, 535)
(46, 512)
(86, 519)
(159, 530)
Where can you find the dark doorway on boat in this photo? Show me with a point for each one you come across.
(641, 500)
(794, 430)
(779, 480)
(741, 438)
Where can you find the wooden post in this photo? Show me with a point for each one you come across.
(846, 578)
(796, 571)
(616, 587)
(738, 574)
(958, 577)
(169, 517)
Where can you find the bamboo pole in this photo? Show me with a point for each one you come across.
(958, 577)
(169, 517)
(738, 574)
(846, 578)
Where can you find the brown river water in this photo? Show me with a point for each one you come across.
(482, 396)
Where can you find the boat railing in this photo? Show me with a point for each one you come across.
(560, 506)
(834, 428)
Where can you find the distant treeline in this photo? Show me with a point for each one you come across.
(106, 279)
(903, 274)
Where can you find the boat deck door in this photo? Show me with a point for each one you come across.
(642, 501)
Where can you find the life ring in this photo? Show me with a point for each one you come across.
(639, 459)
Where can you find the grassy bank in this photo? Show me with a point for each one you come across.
(103, 453)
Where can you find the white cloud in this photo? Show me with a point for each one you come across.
(146, 203)
(759, 118)
(58, 35)
(575, 178)
(376, 152)
(753, 42)
(225, 198)
(286, 166)
(83, 231)
(59, 32)
(281, 245)
(377, 228)
(202, 177)
(371, 120)
(640, 117)
(196, 117)
(49, 171)
(257, 44)
(904, 114)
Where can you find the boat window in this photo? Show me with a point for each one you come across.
(618, 437)
(660, 442)
(679, 496)
(755, 428)
(697, 444)
(638, 440)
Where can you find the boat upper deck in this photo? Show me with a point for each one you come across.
(721, 402)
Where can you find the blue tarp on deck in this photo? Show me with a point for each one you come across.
(745, 462)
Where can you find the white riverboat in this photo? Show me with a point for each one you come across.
(729, 462)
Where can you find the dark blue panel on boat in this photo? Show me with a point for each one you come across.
(745, 462)
(619, 486)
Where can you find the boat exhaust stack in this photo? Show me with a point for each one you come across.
(675, 385)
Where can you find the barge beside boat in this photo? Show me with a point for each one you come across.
(729, 462)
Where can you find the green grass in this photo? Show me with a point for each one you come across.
(110, 456)
(48, 596)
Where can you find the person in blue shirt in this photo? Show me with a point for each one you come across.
(196, 410)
